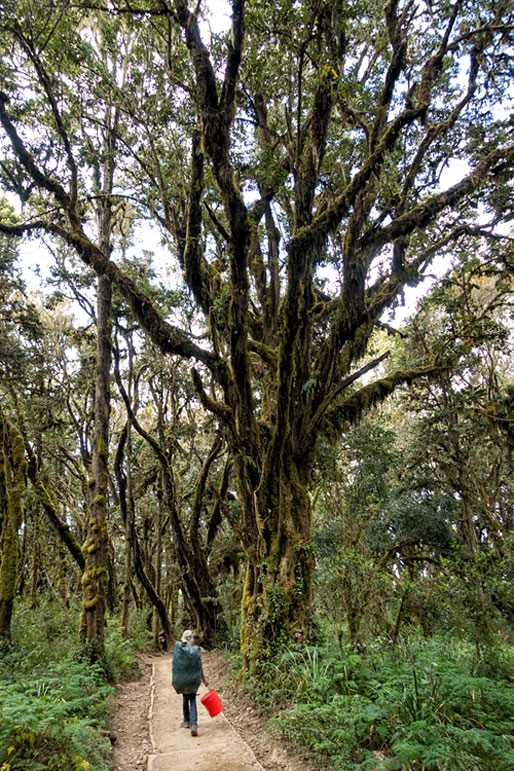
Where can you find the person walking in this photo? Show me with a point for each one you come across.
(187, 674)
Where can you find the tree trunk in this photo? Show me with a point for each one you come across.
(276, 603)
(468, 526)
(125, 607)
(128, 509)
(129, 527)
(12, 483)
(95, 548)
(35, 571)
(95, 579)
(199, 586)
(158, 571)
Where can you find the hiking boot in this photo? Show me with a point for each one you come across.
(194, 730)
(184, 724)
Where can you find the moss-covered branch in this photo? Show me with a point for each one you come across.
(351, 408)
(27, 161)
(422, 215)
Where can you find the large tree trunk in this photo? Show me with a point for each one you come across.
(12, 482)
(96, 577)
(276, 603)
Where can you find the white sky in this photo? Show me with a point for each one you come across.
(219, 15)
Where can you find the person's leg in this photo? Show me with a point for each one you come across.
(193, 715)
(185, 710)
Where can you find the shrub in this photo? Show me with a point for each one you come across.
(53, 702)
(425, 707)
(49, 721)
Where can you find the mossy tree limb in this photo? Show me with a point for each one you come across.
(50, 508)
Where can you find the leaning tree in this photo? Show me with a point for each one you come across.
(304, 168)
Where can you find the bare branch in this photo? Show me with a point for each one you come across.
(426, 212)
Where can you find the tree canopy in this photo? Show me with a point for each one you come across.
(303, 169)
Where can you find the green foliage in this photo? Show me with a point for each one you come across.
(120, 652)
(425, 707)
(49, 720)
(346, 119)
(53, 702)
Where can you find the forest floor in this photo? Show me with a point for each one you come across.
(146, 723)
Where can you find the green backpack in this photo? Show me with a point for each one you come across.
(187, 668)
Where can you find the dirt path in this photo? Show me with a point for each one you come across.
(217, 745)
(147, 717)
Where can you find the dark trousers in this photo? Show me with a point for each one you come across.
(189, 708)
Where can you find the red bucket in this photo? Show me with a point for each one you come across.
(212, 702)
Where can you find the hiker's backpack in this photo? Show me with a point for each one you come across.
(187, 668)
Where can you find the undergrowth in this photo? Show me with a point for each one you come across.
(54, 704)
(428, 705)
